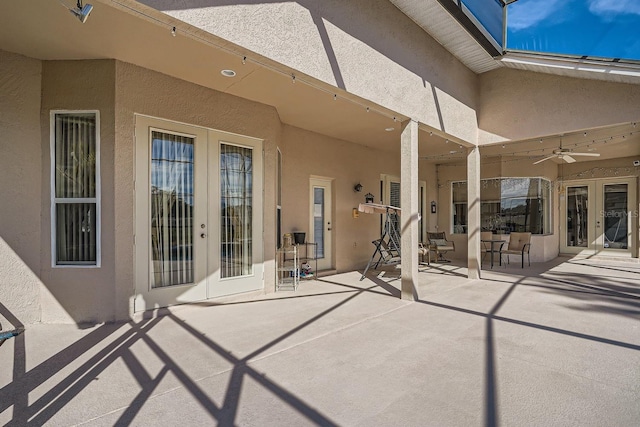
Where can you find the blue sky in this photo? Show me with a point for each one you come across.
(602, 28)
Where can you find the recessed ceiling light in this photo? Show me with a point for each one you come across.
(390, 129)
(228, 73)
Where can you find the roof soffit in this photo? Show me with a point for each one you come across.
(433, 18)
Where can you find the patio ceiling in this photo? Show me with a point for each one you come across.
(131, 32)
(610, 142)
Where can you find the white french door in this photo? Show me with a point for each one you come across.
(198, 213)
(321, 220)
(597, 217)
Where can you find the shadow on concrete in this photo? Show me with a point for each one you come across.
(119, 348)
(633, 268)
(600, 290)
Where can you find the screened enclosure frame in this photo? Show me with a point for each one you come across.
(55, 201)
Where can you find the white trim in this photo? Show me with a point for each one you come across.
(54, 200)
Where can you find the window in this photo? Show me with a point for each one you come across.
(279, 200)
(459, 197)
(172, 197)
(390, 195)
(75, 189)
(506, 205)
(236, 201)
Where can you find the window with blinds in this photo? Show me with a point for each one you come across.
(75, 188)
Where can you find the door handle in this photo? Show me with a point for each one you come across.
(329, 229)
(203, 235)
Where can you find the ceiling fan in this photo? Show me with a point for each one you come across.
(566, 154)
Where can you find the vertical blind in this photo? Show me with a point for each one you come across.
(75, 194)
(171, 209)
(236, 202)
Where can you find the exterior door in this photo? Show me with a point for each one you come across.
(235, 210)
(597, 217)
(321, 225)
(198, 208)
(391, 196)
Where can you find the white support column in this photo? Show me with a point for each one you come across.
(473, 219)
(410, 211)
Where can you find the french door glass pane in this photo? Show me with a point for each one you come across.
(236, 202)
(318, 219)
(615, 216)
(75, 233)
(171, 209)
(577, 216)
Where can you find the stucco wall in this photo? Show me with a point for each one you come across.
(367, 47)
(119, 91)
(20, 172)
(146, 92)
(306, 154)
(516, 104)
(79, 294)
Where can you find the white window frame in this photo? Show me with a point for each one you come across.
(55, 200)
(546, 215)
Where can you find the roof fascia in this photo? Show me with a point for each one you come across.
(455, 8)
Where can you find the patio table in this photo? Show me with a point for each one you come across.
(492, 250)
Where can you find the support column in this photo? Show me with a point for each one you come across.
(473, 206)
(410, 211)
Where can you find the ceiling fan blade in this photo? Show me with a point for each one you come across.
(586, 154)
(546, 158)
(568, 158)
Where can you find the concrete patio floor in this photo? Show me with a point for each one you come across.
(552, 344)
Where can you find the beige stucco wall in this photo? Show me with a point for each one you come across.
(516, 104)
(146, 92)
(366, 47)
(20, 175)
(306, 154)
(119, 91)
(79, 295)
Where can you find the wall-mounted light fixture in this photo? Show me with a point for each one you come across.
(357, 188)
(433, 206)
(368, 198)
(81, 12)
